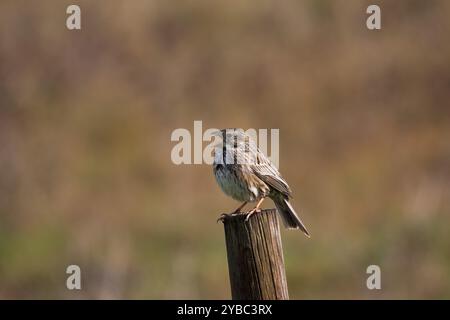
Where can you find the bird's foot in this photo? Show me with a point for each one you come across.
(223, 216)
(252, 212)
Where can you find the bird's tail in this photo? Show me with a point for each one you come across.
(290, 218)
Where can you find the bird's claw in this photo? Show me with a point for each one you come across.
(222, 217)
(252, 212)
(248, 214)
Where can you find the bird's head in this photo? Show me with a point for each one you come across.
(237, 142)
(232, 135)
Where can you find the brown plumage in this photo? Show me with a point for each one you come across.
(244, 173)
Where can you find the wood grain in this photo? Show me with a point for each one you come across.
(255, 257)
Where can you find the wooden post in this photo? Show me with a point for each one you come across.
(255, 257)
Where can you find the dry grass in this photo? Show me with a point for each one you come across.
(85, 123)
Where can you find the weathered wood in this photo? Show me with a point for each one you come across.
(255, 257)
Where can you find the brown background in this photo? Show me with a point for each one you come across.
(85, 123)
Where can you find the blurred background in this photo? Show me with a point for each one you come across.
(86, 116)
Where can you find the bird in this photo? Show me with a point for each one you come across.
(245, 174)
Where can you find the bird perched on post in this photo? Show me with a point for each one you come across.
(244, 173)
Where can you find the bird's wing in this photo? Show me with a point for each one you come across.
(264, 169)
(276, 182)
